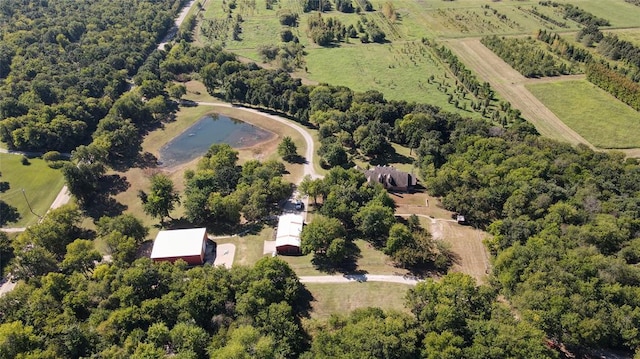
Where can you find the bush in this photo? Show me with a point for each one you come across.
(56, 164)
(52, 156)
(286, 35)
(25, 161)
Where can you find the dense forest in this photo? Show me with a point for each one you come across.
(563, 219)
(564, 224)
(63, 64)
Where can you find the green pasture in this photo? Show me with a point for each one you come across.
(370, 260)
(619, 13)
(341, 298)
(41, 185)
(590, 111)
(631, 35)
(400, 71)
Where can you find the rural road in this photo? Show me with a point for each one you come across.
(308, 165)
(350, 278)
(174, 29)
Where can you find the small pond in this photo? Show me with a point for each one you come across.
(214, 128)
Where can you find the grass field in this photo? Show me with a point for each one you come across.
(371, 261)
(597, 116)
(400, 71)
(41, 185)
(330, 298)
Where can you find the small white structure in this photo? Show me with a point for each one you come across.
(186, 244)
(288, 234)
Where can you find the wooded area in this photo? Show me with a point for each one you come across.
(64, 63)
(565, 222)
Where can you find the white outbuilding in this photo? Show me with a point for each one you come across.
(288, 233)
(186, 244)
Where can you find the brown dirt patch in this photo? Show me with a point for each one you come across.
(472, 257)
(466, 243)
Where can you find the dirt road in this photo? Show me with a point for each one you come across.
(509, 83)
(349, 278)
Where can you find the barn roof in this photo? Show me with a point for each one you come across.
(289, 228)
(178, 243)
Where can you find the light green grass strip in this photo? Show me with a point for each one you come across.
(596, 115)
(40, 183)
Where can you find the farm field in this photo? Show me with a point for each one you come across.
(510, 84)
(40, 183)
(631, 35)
(597, 116)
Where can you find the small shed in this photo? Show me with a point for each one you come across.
(288, 233)
(186, 244)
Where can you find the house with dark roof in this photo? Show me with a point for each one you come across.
(390, 178)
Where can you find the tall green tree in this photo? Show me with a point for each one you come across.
(287, 149)
(161, 199)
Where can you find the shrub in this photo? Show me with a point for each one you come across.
(52, 156)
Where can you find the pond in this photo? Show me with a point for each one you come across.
(214, 128)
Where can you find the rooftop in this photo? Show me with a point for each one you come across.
(178, 243)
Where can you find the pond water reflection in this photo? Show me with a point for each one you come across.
(213, 128)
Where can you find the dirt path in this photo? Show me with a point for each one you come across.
(350, 278)
(174, 29)
(64, 196)
(509, 83)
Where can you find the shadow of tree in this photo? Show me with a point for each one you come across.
(349, 265)
(297, 159)
(8, 213)
(391, 156)
(104, 206)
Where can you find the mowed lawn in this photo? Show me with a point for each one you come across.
(596, 115)
(41, 185)
(342, 298)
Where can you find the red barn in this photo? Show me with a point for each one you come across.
(186, 244)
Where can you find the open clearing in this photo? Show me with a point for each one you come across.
(471, 256)
(41, 185)
(330, 298)
(599, 117)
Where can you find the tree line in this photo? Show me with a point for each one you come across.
(577, 14)
(618, 85)
(525, 56)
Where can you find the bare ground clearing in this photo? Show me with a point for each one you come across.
(509, 83)
(466, 242)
